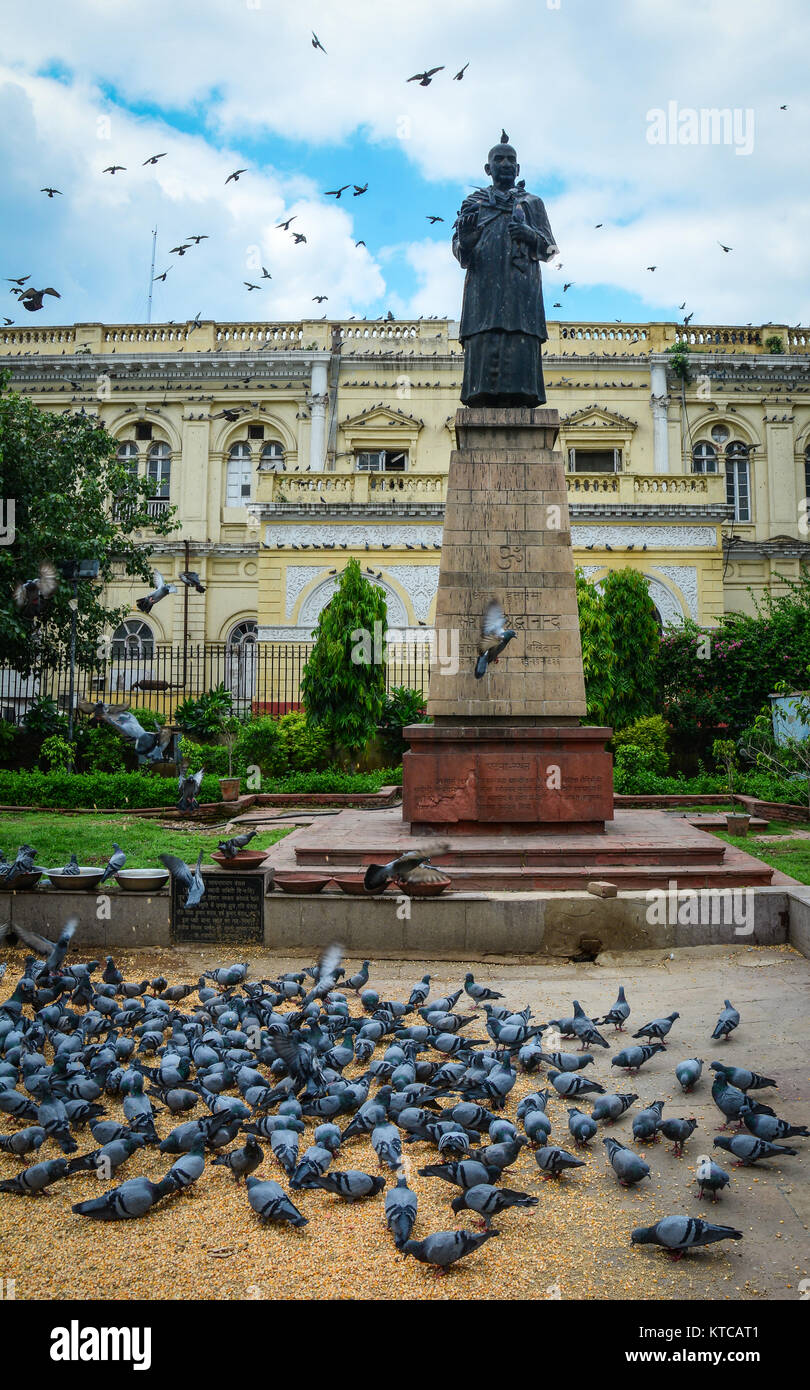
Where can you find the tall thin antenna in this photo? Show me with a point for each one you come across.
(151, 277)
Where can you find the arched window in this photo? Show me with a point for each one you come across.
(807, 472)
(133, 639)
(129, 453)
(159, 470)
(738, 481)
(704, 457)
(272, 459)
(244, 633)
(239, 481)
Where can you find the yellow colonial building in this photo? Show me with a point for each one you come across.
(289, 447)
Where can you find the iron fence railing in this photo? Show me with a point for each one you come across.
(263, 677)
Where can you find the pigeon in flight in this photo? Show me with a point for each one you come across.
(358, 189)
(336, 192)
(189, 788)
(681, 1233)
(192, 581)
(186, 877)
(235, 175)
(725, 248)
(32, 299)
(425, 78)
(285, 226)
(163, 275)
(153, 159)
(319, 299)
(50, 191)
(114, 169)
(316, 43)
(458, 77)
(161, 589)
(180, 250)
(198, 239)
(299, 237)
(33, 593)
(495, 636)
(396, 870)
(433, 219)
(148, 743)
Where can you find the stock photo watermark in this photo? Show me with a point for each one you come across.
(705, 125)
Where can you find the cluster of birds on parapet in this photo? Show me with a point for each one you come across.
(284, 1046)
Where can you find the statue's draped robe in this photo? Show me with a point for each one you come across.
(503, 323)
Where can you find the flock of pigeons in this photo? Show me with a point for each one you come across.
(271, 1061)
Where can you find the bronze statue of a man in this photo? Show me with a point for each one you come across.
(500, 237)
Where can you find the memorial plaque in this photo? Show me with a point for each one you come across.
(231, 909)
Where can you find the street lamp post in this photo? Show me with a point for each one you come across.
(74, 571)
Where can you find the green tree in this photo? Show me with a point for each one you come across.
(343, 683)
(73, 499)
(634, 632)
(598, 654)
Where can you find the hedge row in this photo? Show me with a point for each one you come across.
(137, 790)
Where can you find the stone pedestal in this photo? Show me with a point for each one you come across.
(507, 752)
(500, 778)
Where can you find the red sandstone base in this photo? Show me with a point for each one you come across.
(479, 778)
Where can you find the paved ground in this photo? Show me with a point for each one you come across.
(574, 1244)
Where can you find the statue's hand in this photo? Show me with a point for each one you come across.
(520, 231)
(468, 226)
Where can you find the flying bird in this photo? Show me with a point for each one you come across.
(319, 298)
(432, 219)
(180, 250)
(189, 788)
(299, 237)
(358, 189)
(153, 159)
(185, 877)
(359, 243)
(50, 191)
(495, 635)
(163, 276)
(316, 43)
(250, 287)
(161, 589)
(336, 192)
(457, 77)
(149, 744)
(114, 168)
(191, 579)
(198, 239)
(725, 248)
(285, 226)
(30, 595)
(31, 299)
(425, 78)
(235, 175)
(266, 273)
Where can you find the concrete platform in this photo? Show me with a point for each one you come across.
(637, 850)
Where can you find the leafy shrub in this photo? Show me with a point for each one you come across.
(332, 781)
(403, 706)
(8, 739)
(211, 756)
(43, 718)
(148, 719)
(86, 790)
(100, 748)
(259, 745)
(305, 746)
(203, 717)
(57, 754)
(652, 735)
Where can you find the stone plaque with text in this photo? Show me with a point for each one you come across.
(231, 909)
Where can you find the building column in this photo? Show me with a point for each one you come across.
(317, 401)
(659, 401)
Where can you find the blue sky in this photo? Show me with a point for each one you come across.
(221, 84)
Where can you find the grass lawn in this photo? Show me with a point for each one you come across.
(788, 856)
(56, 836)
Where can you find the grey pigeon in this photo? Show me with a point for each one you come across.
(567, 1061)
(351, 1186)
(21, 1143)
(71, 869)
(678, 1131)
(586, 1030)
(387, 1145)
(580, 1126)
(444, 1248)
(192, 580)
(400, 1211)
(770, 1127)
(151, 745)
(189, 789)
(313, 1164)
(658, 1029)
(116, 861)
(626, 1164)
(619, 1014)
(647, 1122)
(160, 590)
(230, 848)
(109, 1157)
(727, 1022)
(35, 1179)
(241, 1162)
(132, 1199)
(688, 1072)
(553, 1161)
(681, 1233)
(489, 1201)
(710, 1175)
(468, 1172)
(610, 1107)
(568, 1083)
(189, 879)
(742, 1078)
(494, 637)
(631, 1059)
(747, 1149)
(378, 876)
(269, 1201)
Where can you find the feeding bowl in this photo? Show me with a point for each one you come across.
(22, 883)
(142, 880)
(301, 883)
(352, 884)
(425, 890)
(245, 859)
(87, 877)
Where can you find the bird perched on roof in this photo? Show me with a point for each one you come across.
(681, 1233)
(32, 594)
(727, 1022)
(230, 848)
(495, 636)
(191, 579)
(186, 878)
(189, 789)
(445, 1248)
(160, 591)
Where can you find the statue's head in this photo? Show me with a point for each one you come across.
(502, 165)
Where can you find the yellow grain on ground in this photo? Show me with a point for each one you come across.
(207, 1243)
